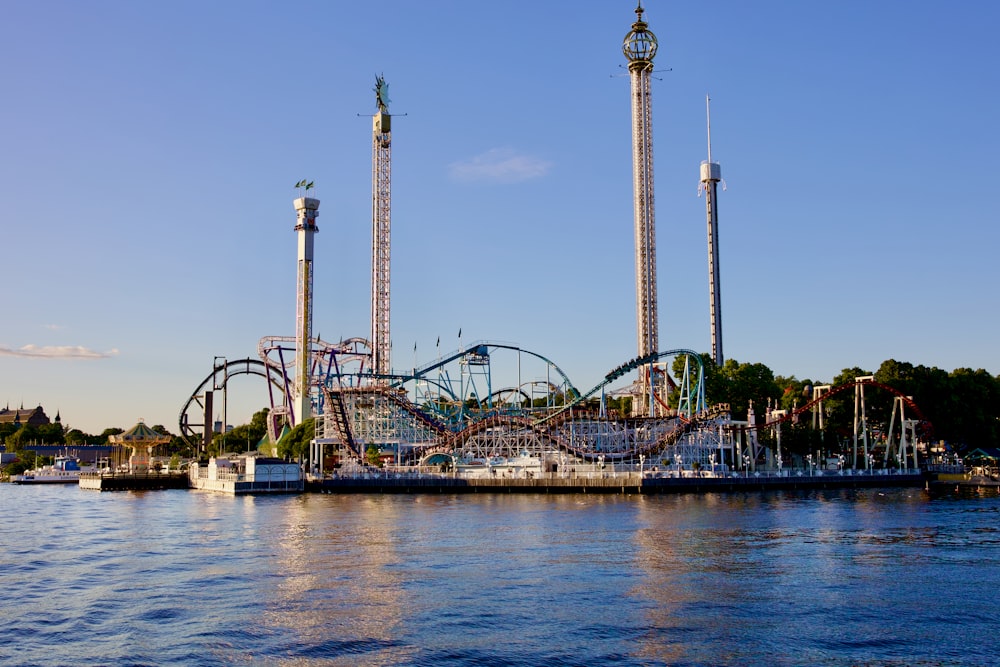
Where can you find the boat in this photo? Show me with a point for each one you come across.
(64, 470)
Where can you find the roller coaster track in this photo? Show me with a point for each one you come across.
(337, 409)
(620, 372)
(335, 402)
(924, 422)
(547, 432)
(480, 348)
(544, 427)
(274, 377)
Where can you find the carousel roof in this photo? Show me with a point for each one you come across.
(139, 434)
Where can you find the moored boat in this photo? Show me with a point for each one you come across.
(64, 470)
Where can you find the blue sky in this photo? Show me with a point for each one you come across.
(149, 152)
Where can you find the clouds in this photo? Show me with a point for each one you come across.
(56, 352)
(499, 165)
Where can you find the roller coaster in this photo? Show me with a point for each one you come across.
(491, 401)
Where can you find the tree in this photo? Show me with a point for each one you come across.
(738, 384)
(51, 434)
(295, 444)
(76, 437)
(106, 433)
(21, 438)
(372, 455)
(975, 422)
(6, 430)
(19, 466)
(246, 436)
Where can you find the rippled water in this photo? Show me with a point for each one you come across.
(890, 577)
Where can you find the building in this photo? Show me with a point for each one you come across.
(22, 417)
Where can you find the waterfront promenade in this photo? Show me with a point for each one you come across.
(389, 481)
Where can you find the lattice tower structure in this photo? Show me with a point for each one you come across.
(711, 174)
(381, 191)
(307, 209)
(639, 48)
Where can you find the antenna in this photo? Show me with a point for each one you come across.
(708, 121)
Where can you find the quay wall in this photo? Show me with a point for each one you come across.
(621, 484)
(133, 481)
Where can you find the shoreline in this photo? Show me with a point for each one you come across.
(621, 485)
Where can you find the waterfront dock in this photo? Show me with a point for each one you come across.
(622, 483)
(143, 481)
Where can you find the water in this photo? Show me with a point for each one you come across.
(891, 577)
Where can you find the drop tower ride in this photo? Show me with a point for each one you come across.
(640, 48)
(381, 179)
(306, 209)
(711, 174)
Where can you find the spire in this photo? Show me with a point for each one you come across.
(640, 43)
(708, 122)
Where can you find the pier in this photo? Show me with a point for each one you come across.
(625, 484)
(141, 481)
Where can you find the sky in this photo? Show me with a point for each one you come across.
(149, 152)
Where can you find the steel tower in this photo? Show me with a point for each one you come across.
(306, 209)
(381, 178)
(711, 174)
(640, 48)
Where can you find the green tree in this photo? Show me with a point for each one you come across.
(371, 455)
(246, 436)
(6, 430)
(295, 445)
(19, 466)
(22, 438)
(738, 384)
(975, 422)
(76, 437)
(51, 434)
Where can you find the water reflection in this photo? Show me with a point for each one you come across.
(867, 577)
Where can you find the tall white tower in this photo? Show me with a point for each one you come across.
(640, 48)
(381, 180)
(306, 209)
(711, 174)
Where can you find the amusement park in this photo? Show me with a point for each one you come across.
(489, 409)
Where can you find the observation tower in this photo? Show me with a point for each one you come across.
(381, 178)
(640, 48)
(306, 209)
(711, 174)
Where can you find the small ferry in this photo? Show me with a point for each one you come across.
(64, 470)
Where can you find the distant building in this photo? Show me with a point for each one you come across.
(22, 417)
